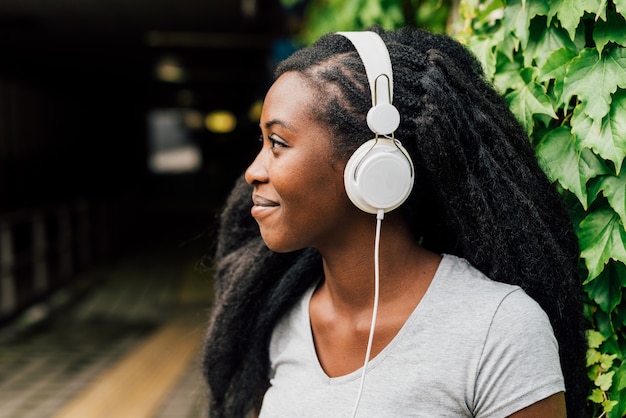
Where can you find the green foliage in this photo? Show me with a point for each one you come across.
(324, 16)
(561, 64)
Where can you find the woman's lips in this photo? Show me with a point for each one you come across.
(262, 201)
(262, 206)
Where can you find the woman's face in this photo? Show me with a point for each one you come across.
(299, 196)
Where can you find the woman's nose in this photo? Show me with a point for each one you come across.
(257, 172)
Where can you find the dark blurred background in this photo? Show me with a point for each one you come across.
(123, 125)
(124, 122)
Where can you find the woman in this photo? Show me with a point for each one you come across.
(294, 291)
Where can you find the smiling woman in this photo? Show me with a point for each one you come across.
(466, 303)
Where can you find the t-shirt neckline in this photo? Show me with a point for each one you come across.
(373, 362)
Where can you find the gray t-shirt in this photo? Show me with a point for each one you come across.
(472, 348)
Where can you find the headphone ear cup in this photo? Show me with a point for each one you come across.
(379, 175)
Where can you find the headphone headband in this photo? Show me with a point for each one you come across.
(383, 118)
(375, 57)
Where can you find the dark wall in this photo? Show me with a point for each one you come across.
(76, 86)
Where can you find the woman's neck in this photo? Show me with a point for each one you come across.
(342, 305)
(405, 267)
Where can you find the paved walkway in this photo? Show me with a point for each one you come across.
(127, 348)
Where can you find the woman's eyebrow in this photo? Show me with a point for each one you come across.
(273, 122)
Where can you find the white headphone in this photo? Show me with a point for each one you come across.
(380, 174)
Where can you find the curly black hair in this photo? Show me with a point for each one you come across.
(478, 185)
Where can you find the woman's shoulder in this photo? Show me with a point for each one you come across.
(462, 287)
(458, 271)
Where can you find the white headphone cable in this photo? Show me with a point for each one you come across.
(379, 220)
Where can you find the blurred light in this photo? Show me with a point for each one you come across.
(248, 8)
(220, 122)
(193, 119)
(172, 144)
(170, 70)
(254, 114)
(178, 160)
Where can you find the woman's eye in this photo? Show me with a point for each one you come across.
(276, 142)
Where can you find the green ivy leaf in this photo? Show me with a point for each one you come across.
(606, 360)
(594, 79)
(607, 138)
(556, 64)
(608, 405)
(597, 396)
(508, 46)
(562, 161)
(581, 39)
(605, 326)
(621, 377)
(507, 76)
(606, 290)
(529, 100)
(617, 120)
(593, 356)
(611, 30)
(614, 189)
(544, 40)
(570, 12)
(555, 68)
(518, 14)
(593, 371)
(605, 380)
(602, 238)
(594, 338)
